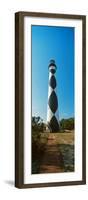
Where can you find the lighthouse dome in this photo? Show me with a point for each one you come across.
(52, 66)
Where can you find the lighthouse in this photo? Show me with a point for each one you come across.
(52, 108)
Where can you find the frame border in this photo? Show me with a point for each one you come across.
(19, 98)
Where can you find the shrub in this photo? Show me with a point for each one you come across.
(67, 124)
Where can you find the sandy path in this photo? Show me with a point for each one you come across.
(52, 160)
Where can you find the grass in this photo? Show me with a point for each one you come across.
(67, 152)
(65, 143)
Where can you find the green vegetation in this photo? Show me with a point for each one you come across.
(67, 152)
(67, 124)
(37, 124)
(39, 140)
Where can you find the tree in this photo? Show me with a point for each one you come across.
(67, 124)
(37, 124)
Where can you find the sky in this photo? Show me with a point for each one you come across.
(52, 43)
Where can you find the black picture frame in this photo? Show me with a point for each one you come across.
(19, 98)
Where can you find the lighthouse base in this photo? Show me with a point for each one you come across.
(53, 125)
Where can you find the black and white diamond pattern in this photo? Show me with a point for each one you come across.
(53, 103)
(52, 82)
(52, 113)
